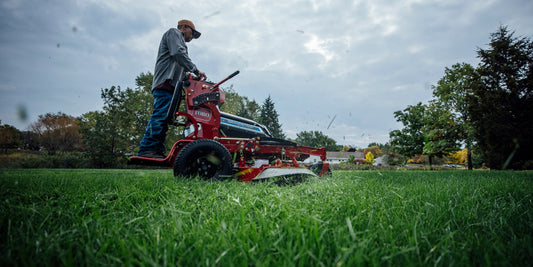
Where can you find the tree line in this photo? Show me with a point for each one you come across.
(485, 109)
(105, 138)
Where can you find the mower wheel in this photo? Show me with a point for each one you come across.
(204, 158)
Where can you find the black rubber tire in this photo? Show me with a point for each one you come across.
(204, 158)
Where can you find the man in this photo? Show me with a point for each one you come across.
(172, 62)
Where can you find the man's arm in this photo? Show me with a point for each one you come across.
(178, 50)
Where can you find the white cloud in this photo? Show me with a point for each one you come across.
(318, 46)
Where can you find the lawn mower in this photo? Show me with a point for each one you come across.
(220, 145)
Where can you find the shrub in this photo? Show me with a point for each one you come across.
(27, 159)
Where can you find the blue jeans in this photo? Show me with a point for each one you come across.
(156, 130)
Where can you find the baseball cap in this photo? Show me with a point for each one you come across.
(196, 34)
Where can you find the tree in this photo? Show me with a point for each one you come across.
(240, 105)
(409, 141)
(97, 132)
(369, 158)
(383, 148)
(394, 159)
(501, 103)
(122, 118)
(316, 139)
(10, 137)
(269, 118)
(250, 110)
(441, 132)
(140, 103)
(418, 159)
(129, 110)
(374, 149)
(233, 102)
(57, 132)
(429, 130)
(451, 94)
(351, 159)
(459, 157)
(118, 130)
(31, 141)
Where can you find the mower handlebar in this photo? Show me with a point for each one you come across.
(227, 78)
(233, 74)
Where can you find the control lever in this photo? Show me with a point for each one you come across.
(227, 78)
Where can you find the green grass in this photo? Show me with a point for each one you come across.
(148, 217)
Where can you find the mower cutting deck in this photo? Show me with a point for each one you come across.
(219, 145)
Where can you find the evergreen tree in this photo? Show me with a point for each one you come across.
(501, 104)
(269, 118)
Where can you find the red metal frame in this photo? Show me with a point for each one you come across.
(203, 114)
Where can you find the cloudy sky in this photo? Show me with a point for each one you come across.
(340, 67)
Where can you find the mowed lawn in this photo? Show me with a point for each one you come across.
(352, 218)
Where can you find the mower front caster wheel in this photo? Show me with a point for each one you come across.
(204, 158)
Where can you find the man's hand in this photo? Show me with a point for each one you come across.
(200, 75)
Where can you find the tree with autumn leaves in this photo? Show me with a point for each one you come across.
(369, 158)
(57, 132)
(10, 137)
